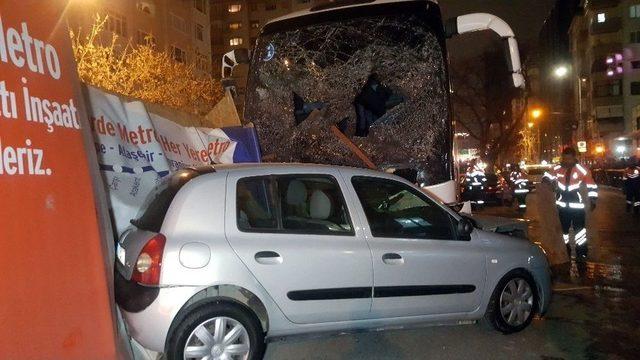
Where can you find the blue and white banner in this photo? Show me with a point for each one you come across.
(136, 149)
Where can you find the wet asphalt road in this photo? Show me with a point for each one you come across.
(595, 311)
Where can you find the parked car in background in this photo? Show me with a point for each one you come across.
(535, 172)
(494, 191)
(497, 189)
(610, 177)
(222, 258)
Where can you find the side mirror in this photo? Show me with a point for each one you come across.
(465, 228)
(456, 206)
(479, 22)
(231, 59)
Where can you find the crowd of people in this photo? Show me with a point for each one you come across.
(574, 186)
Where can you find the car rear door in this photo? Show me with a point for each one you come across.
(298, 236)
(420, 265)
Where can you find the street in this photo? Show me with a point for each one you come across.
(593, 316)
(196, 179)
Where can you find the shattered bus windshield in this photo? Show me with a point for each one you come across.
(381, 79)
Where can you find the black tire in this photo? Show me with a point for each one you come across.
(493, 317)
(174, 349)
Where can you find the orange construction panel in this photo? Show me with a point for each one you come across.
(54, 298)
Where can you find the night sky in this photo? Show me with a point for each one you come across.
(525, 17)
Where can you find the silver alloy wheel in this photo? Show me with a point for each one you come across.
(516, 302)
(219, 338)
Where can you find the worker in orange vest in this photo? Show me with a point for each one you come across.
(568, 178)
(520, 186)
(475, 181)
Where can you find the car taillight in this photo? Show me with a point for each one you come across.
(147, 268)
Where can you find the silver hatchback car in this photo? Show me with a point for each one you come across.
(222, 259)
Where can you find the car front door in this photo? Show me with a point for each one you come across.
(421, 266)
(296, 234)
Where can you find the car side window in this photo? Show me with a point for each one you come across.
(295, 204)
(312, 204)
(255, 208)
(394, 209)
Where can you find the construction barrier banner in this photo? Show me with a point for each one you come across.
(137, 149)
(55, 301)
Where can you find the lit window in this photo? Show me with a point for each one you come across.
(602, 17)
(235, 41)
(634, 11)
(234, 8)
(235, 26)
(199, 32)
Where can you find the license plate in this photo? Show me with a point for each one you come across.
(120, 254)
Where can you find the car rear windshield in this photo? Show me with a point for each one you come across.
(536, 171)
(155, 207)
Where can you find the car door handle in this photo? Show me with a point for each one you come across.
(268, 258)
(392, 259)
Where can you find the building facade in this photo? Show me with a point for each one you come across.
(180, 27)
(235, 24)
(552, 93)
(605, 47)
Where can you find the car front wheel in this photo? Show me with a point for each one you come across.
(513, 303)
(220, 331)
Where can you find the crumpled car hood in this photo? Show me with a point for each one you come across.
(502, 225)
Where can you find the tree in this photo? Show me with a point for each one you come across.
(528, 144)
(487, 105)
(142, 72)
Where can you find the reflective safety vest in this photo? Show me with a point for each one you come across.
(631, 173)
(520, 182)
(568, 182)
(475, 177)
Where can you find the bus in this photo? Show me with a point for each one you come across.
(361, 83)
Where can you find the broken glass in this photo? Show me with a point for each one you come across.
(381, 80)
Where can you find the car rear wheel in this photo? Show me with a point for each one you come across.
(513, 303)
(218, 332)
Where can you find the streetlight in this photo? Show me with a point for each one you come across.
(561, 71)
(536, 113)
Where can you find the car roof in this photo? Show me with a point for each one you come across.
(316, 10)
(299, 168)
